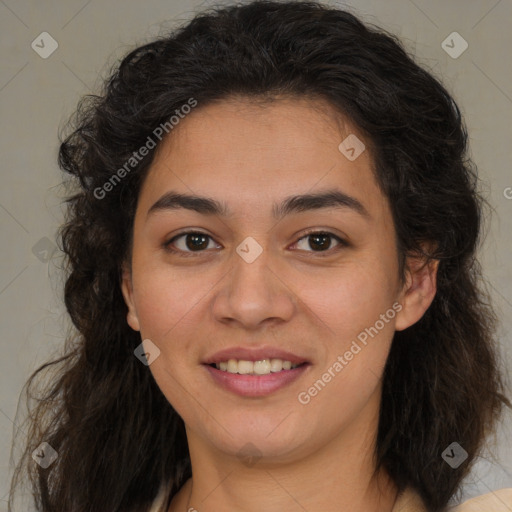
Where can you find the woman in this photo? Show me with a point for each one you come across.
(272, 274)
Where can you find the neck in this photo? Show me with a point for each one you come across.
(336, 477)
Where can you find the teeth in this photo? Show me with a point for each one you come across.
(263, 367)
(232, 366)
(245, 367)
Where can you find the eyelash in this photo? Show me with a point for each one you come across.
(342, 243)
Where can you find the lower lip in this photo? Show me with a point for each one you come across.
(256, 385)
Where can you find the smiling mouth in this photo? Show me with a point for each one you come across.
(261, 367)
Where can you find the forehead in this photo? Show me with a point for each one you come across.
(251, 153)
(289, 127)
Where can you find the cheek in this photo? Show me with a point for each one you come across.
(351, 298)
(165, 300)
(351, 368)
(355, 306)
(166, 307)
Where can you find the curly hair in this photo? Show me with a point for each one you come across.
(117, 437)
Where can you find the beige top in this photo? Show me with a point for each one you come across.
(409, 501)
(497, 501)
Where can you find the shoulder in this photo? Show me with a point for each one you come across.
(409, 500)
(159, 504)
(496, 501)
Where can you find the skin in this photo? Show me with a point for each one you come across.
(294, 296)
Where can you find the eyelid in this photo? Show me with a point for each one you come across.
(312, 231)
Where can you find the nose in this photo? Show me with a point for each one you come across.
(254, 293)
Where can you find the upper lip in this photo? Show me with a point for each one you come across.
(254, 354)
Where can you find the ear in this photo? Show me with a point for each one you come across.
(418, 291)
(127, 290)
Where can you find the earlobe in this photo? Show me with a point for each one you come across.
(418, 292)
(127, 291)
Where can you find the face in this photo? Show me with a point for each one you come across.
(259, 276)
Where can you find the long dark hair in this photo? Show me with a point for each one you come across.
(117, 437)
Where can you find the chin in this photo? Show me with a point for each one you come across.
(272, 445)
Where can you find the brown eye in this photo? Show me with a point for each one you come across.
(319, 241)
(189, 242)
(194, 241)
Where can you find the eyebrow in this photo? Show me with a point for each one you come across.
(292, 204)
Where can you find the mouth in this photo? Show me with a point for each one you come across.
(255, 372)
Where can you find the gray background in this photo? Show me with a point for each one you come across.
(37, 96)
